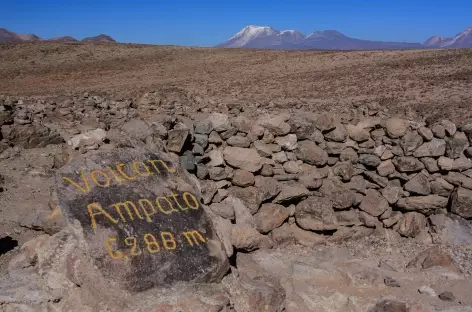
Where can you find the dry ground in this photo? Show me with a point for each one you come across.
(428, 82)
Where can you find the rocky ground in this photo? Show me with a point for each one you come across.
(368, 209)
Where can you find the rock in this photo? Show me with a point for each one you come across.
(390, 282)
(357, 133)
(218, 173)
(449, 126)
(137, 129)
(290, 192)
(430, 164)
(461, 202)
(310, 177)
(164, 220)
(386, 168)
(238, 141)
(441, 187)
(203, 126)
(291, 167)
(418, 185)
(301, 127)
(242, 158)
(268, 187)
(270, 216)
(344, 170)
(334, 148)
(410, 142)
(267, 171)
(209, 190)
(391, 193)
(214, 138)
(89, 138)
(243, 178)
(411, 224)
(458, 179)
(338, 193)
(266, 150)
(407, 164)
(187, 161)
(425, 204)
(433, 148)
(176, 140)
(389, 306)
(288, 142)
(216, 158)
(257, 294)
(310, 153)
(432, 257)
(426, 290)
(450, 230)
(280, 157)
(438, 131)
(338, 134)
(223, 210)
(374, 203)
(445, 163)
(368, 220)
(275, 124)
(316, 213)
(369, 160)
(348, 217)
(447, 296)
(220, 122)
(248, 239)
(456, 145)
(325, 123)
(461, 164)
(393, 219)
(396, 127)
(426, 133)
(349, 154)
(372, 176)
(250, 196)
(241, 213)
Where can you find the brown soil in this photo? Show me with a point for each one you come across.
(434, 83)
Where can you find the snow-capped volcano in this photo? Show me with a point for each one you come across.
(461, 40)
(263, 37)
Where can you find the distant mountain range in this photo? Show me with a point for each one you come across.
(7, 36)
(263, 37)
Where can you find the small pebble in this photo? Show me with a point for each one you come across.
(447, 296)
(426, 290)
(390, 282)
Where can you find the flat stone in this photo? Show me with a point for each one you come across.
(223, 210)
(461, 203)
(243, 178)
(338, 134)
(349, 154)
(310, 177)
(431, 257)
(267, 170)
(410, 142)
(430, 164)
(425, 204)
(280, 157)
(348, 217)
(426, 133)
(407, 164)
(339, 194)
(310, 153)
(176, 140)
(209, 189)
(203, 126)
(357, 133)
(242, 158)
(316, 213)
(238, 141)
(291, 167)
(441, 187)
(418, 185)
(377, 179)
(456, 145)
(374, 203)
(411, 224)
(143, 220)
(216, 158)
(325, 123)
(391, 193)
(458, 179)
(447, 296)
(275, 124)
(344, 170)
(445, 163)
(449, 126)
(271, 216)
(220, 122)
(214, 138)
(218, 173)
(248, 239)
(396, 127)
(393, 219)
(369, 160)
(462, 164)
(266, 150)
(385, 168)
(290, 192)
(433, 148)
(334, 148)
(137, 129)
(251, 196)
(88, 138)
(288, 142)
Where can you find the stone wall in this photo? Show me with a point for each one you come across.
(278, 177)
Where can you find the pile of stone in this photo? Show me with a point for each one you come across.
(311, 178)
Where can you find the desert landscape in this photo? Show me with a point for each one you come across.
(323, 180)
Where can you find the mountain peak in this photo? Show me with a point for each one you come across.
(99, 38)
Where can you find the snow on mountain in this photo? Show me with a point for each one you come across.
(461, 40)
(263, 37)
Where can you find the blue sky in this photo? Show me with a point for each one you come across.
(207, 23)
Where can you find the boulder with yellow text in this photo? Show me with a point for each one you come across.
(142, 219)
